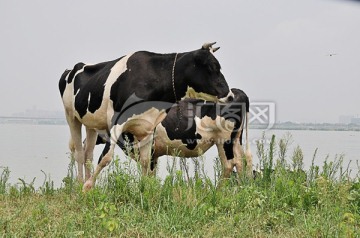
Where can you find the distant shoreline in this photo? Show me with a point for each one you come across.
(276, 126)
(311, 126)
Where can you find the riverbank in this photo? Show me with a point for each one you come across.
(284, 201)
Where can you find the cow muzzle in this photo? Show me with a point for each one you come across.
(228, 98)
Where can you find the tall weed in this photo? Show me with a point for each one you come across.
(4, 178)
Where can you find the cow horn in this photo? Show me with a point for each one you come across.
(207, 46)
(215, 49)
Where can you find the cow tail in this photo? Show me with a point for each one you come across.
(248, 154)
(247, 132)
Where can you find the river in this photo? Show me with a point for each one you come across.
(27, 150)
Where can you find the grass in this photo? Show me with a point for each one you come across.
(285, 201)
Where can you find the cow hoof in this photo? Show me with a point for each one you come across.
(87, 186)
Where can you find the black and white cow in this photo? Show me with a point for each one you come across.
(192, 126)
(96, 95)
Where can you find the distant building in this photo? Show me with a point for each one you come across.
(355, 120)
(345, 119)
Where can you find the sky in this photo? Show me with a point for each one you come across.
(304, 56)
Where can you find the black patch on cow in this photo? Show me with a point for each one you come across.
(125, 142)
(91, 83)
(180, 120)
(241, 97)
(120, 93)
(228, 148)
(146, 77)
(153, 163)
(62, 82)
(198, 136)
(104, 152)
(101, 139)
(203, 58)
(76, 68)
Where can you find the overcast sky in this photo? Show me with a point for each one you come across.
(276, 51)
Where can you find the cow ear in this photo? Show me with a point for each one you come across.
(201, 57)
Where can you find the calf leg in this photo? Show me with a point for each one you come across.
(240, 156)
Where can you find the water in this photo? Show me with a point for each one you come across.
(30, 149)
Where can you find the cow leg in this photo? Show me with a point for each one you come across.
(91, 136)
(76, 146)
(71, 146)
(115, 133)
(226, 164)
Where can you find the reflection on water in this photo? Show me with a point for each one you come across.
(28, 149)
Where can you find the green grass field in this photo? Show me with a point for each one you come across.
(284, 201)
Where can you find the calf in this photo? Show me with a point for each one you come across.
(193, 126)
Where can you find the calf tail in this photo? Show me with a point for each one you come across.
(247, 133)
(248, 154)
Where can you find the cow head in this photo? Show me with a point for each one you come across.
(202, 73)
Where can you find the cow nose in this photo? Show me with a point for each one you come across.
(230, 99)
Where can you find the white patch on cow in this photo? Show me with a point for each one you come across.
(141, 125)
(67, 77)
(101, 118)
(225, 99)
(87, 110)
(218, 130)
(115, 132)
